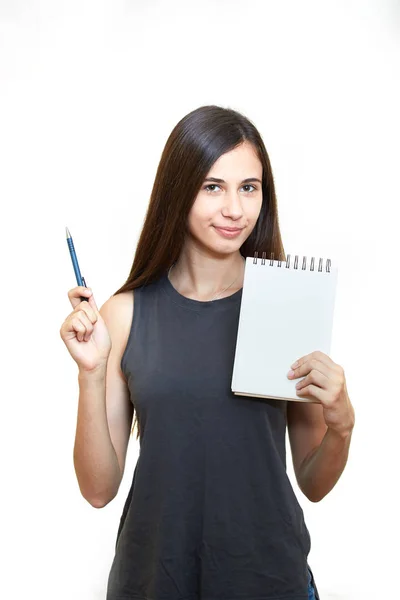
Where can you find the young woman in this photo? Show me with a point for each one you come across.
(211, 513)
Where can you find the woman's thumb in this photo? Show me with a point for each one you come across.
(93, 304)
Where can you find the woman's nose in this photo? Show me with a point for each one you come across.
(233, 204)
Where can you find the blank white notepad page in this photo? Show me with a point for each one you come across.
(285, 314)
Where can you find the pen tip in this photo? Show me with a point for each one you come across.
(67, 232)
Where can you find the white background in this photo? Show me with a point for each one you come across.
(90, 91)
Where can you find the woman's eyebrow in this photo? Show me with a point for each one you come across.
(217, 180)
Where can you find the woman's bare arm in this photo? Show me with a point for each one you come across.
(105, 412)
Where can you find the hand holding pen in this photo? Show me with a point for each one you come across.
(84, 331)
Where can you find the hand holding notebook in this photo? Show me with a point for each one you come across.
(286, 312)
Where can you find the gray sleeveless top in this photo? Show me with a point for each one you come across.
(211, 513)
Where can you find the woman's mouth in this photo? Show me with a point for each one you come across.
(229, 232)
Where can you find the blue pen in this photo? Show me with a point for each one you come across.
(79, 279)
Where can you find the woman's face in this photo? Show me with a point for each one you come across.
(232, 202)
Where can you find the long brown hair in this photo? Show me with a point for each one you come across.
(195, 143)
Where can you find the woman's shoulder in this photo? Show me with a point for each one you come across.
(117, 312)
(120, 304)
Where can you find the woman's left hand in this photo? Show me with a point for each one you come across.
(325, 382)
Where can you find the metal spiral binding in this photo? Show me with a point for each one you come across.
(296, 259)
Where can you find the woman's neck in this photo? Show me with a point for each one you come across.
(207, 279)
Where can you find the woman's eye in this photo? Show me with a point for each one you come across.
(209, 186)
(214, 185)
(250, 185)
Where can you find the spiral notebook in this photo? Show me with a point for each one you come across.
(286, 313)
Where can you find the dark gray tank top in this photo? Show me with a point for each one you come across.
(211, 513)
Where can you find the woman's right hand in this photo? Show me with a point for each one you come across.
(85, 333)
